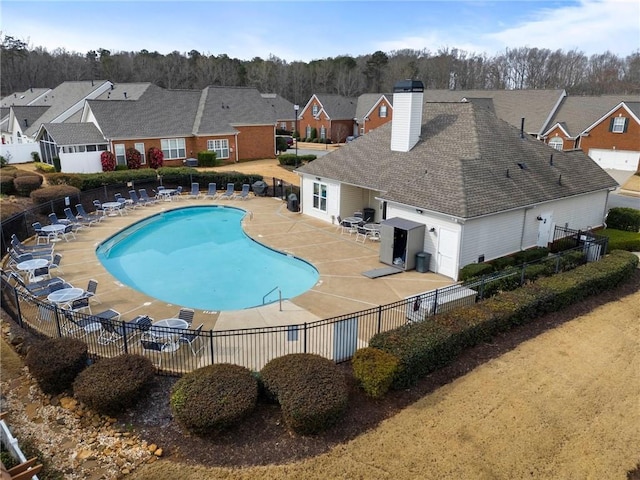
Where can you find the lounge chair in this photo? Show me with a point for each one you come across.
(195, 191)
(41, 288)
(186, 314)
(68, 232)
(76, 222)
(122, 331)
(228, 195)
(21, 247)
(212, 192)
(125, 204)
(90, 293)
(87, 324)
(99, 209)
(90, 217)
(177, 193)
(54, 220)
(154, 347)
(144, 196)
(80, 305)
(135, 201)
(192, 339)
(244, 194)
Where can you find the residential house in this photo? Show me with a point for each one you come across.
(61, 104)
(237, 123)
(331, 116)
(478, 186)
(27, 97)
(588, 123)
(372, 111)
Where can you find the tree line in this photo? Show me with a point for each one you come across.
(23, 67)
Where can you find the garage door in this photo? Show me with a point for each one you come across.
(615, 159)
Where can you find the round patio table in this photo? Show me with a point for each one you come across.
(65, 295)
(31, 265)
(56, 229)
(169, 330)
(111, 208)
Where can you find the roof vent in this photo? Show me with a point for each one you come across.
(125, 95)
(523, 166)
(522, 127)
(551, 160)
(26, 122)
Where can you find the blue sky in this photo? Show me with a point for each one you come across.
(308, 30)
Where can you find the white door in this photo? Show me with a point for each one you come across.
(544, 229)
(615, 159)
(448, 253)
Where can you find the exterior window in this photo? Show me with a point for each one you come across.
(314, 110)
(221, 147)
(121, 158)
(320, 196)
(618, 125)
(173, 148)
(283, 125)
(383, 111)
(556, 142)
(323, 132)
(140, 148)
(308, 130)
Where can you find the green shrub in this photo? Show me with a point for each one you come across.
(72, 179)
(56, 164)
(530, 255)
(91, 181)
(502, 262)
(621, 240)
(622, 218)
(56, 362)
(207, 159)
(214, 397)
(310, 389)
(475, 270)
(111, 385)
(289, 159)
(44, 167)
(6, 184)
(43, 196)
(374, 370)
(120, 168)
(35, 156)
(422, 347)
(25, 184)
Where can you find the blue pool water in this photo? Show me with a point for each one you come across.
(199, 257)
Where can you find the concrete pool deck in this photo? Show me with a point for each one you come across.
(341, 288)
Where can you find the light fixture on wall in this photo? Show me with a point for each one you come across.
(419, 211)
(432, 229)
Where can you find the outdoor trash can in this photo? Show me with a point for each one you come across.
(260, 188)
(422, 262)
(292, 202)
(369, 214)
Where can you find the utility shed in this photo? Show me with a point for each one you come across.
(400, 240)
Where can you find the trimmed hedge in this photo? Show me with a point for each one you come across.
(525, 256)
(207, 159)
(289, 159)
(56, 362)
(25, 184)
(621, 240)
(111, 385)
(43, 196)
(44, 167)
(622, 218)
(374, 370)
(214, 397)
(310, 389)
(425, 346)
(72, 179)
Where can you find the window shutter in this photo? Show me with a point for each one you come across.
(626, 124)
(611, 124)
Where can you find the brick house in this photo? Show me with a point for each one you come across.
(583, 122)
(373, 111)
(332, 117)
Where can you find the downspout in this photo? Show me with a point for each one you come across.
(235, 137)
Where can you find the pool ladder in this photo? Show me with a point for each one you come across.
(270, 292)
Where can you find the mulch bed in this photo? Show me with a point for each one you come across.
(262, 438)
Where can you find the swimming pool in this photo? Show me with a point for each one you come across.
(200, 257)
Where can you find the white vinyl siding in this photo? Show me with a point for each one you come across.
(221, 147)
(173, 148)
(143, 157)
(121, 158)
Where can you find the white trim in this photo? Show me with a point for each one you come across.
(608, 115)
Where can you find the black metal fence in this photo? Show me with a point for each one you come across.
(593, 245)
(335, 338)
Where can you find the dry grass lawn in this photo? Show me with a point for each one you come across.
(563, 405)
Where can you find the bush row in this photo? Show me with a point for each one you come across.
(169, 175)
(19, 182)
(289, 159)
(525, 256)
(621, 218)
(425, 346)
(621, 240)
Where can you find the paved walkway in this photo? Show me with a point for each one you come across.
(341, 289)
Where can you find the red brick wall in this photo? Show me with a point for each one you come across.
(601, 137)
(567, 143)
(375, 120)
(256, 142)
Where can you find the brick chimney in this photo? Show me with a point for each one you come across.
(407, 114)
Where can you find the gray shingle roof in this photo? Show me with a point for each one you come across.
(157, 113)
(225, 107)
(29, 113)
(579, 112)
(62, 98)
(338, 107)
(23, 98)
(282, 108)
(510, 105)
(125, 91)
(74, 133)
(459, 167)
